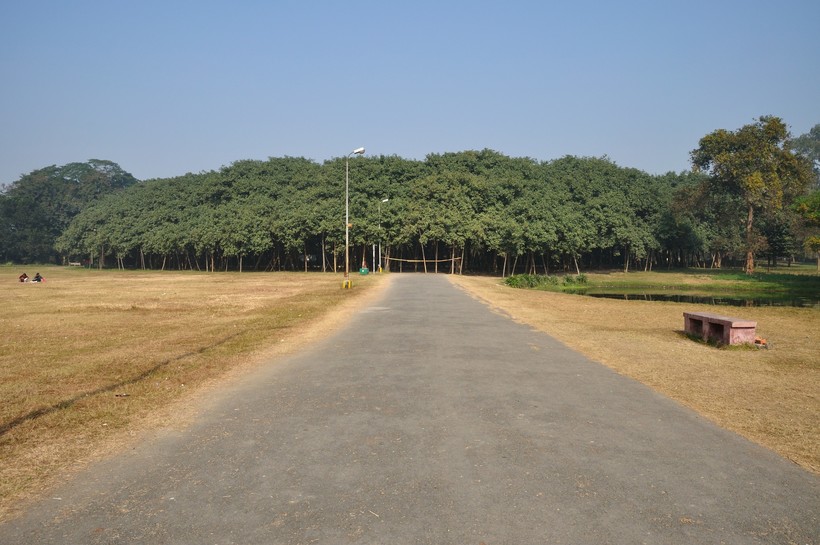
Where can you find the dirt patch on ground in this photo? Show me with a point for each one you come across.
(769, 396)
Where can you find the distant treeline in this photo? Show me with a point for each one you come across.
(471, 211)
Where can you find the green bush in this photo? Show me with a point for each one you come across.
(518, 281)
(530, 281)
(575, 280)
(550, 280)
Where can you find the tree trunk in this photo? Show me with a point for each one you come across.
(324, 257)
(750, 255)
(575, 260)
(423, 257)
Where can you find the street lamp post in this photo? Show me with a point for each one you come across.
(380, 233)
(358, 151)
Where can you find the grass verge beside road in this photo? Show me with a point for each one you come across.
(90, 359)
(769, 396)
(797, 280)
(788, 282)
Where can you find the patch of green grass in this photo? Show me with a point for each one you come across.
(709, 281)
(703, 283)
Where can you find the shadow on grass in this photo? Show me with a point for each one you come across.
(716, 344)
(65, 404)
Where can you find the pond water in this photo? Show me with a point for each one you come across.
(759, 300)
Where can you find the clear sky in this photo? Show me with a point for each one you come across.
(168, 87)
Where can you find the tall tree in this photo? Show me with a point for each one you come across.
(755, 163)
(808, 145)
(38, 207)
(808, 208)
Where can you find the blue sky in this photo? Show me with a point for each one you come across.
(165, 88)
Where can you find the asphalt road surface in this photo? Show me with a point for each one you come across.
(430, 419)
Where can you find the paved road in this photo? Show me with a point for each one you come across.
(432, 420)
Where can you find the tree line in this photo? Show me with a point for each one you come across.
(469, 211)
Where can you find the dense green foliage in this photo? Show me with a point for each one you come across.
(545, 281)
(457, 211)
(478, 211)
(754, 171)
(36, 209)
(808, 209)
(808, 145)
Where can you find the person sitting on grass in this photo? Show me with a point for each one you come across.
(23, 277)
(38, 278)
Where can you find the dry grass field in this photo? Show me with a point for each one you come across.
(769, 396)
(90, 359)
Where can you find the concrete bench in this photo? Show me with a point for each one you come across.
(721, 329)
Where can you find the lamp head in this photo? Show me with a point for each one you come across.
(357, 151)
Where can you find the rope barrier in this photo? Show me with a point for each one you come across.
(448, 260)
